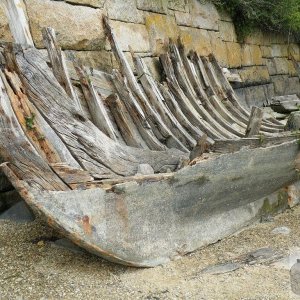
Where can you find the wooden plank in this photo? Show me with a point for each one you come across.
(255, 121)
(17, 22)
(159, 128)
(125, 122)
(58, 64)
(95, 103)
(231, 146)
(158, 101)
(17, 150)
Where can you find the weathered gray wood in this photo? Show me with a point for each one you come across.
(95, 103)
(17, 150)
(17, 22)
(172, 104)
(184, 102)
(125, 122)
(136, 113)
(159, 128)
(40, 134)
(158, 101)
(188, 216)
(255, 121)
(201, 147)
(230, 146)
(58, 64)
(95, 152)
(71, 175)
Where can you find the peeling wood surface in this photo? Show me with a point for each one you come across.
(17, 22)
(141, 215)
(255, 121)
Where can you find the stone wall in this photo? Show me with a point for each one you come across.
(263, 60)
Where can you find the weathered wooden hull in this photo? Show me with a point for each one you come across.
(151, 222)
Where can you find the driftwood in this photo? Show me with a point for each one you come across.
(17, 22)
(255, 121)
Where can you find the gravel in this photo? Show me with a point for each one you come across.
(34, 266)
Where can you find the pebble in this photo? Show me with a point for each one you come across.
(281, 230)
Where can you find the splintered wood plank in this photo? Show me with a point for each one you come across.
(158, 101)
(211, 104)
(239, 111)
(58, 64)
(94, 151)
(16, 149)
(230, 146)
(124, 122)
(137, 114)
(17, 22)
(255, 121)
(71, 175)
(96, 106)
(172, 104)
(159, 128)
(186, 106)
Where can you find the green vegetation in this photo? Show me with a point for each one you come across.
(268, 15)
(30, 121)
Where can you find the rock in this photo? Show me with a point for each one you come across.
(76, 29)
(129, 34)
(145, 169)
(8, 199)
(19, 213)
(288, 261)
(254, 75)
(281, 84)
(281, 230)
(281, 65)
(285, 104)
(227, 31)
(221, 268)
(67, 244)
(124, 10)
(261, 256)
(233, 54)
(293, 123)
(92, 3)
(202, 14)
(5, 34)
(158, 6)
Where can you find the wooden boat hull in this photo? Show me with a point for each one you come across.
(151, 222)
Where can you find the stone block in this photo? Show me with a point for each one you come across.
(294, 50)
(281, 84)
(178, 5)
(234, 57)
(76, 29)
(217, 47)
(129, 34)
(293, 86)
(270, 63)
(279, 50)
(227, 31)
(269, 91)
(124, 10)
(246, 55)
(255, 96)
(93, 3)
(241, 94)
(5, 34)
(154, 67)
(292, 70)
(100, 60)
(282, 65)
(224, 16)
(201, 15)
(161, 28)
(256, 55)
(254, 75)
(255, 38)
(266, 51)
(159, 6)
(196, 39)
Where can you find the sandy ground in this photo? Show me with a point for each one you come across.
(33, 267)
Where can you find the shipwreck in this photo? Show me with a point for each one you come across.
(137, 171)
